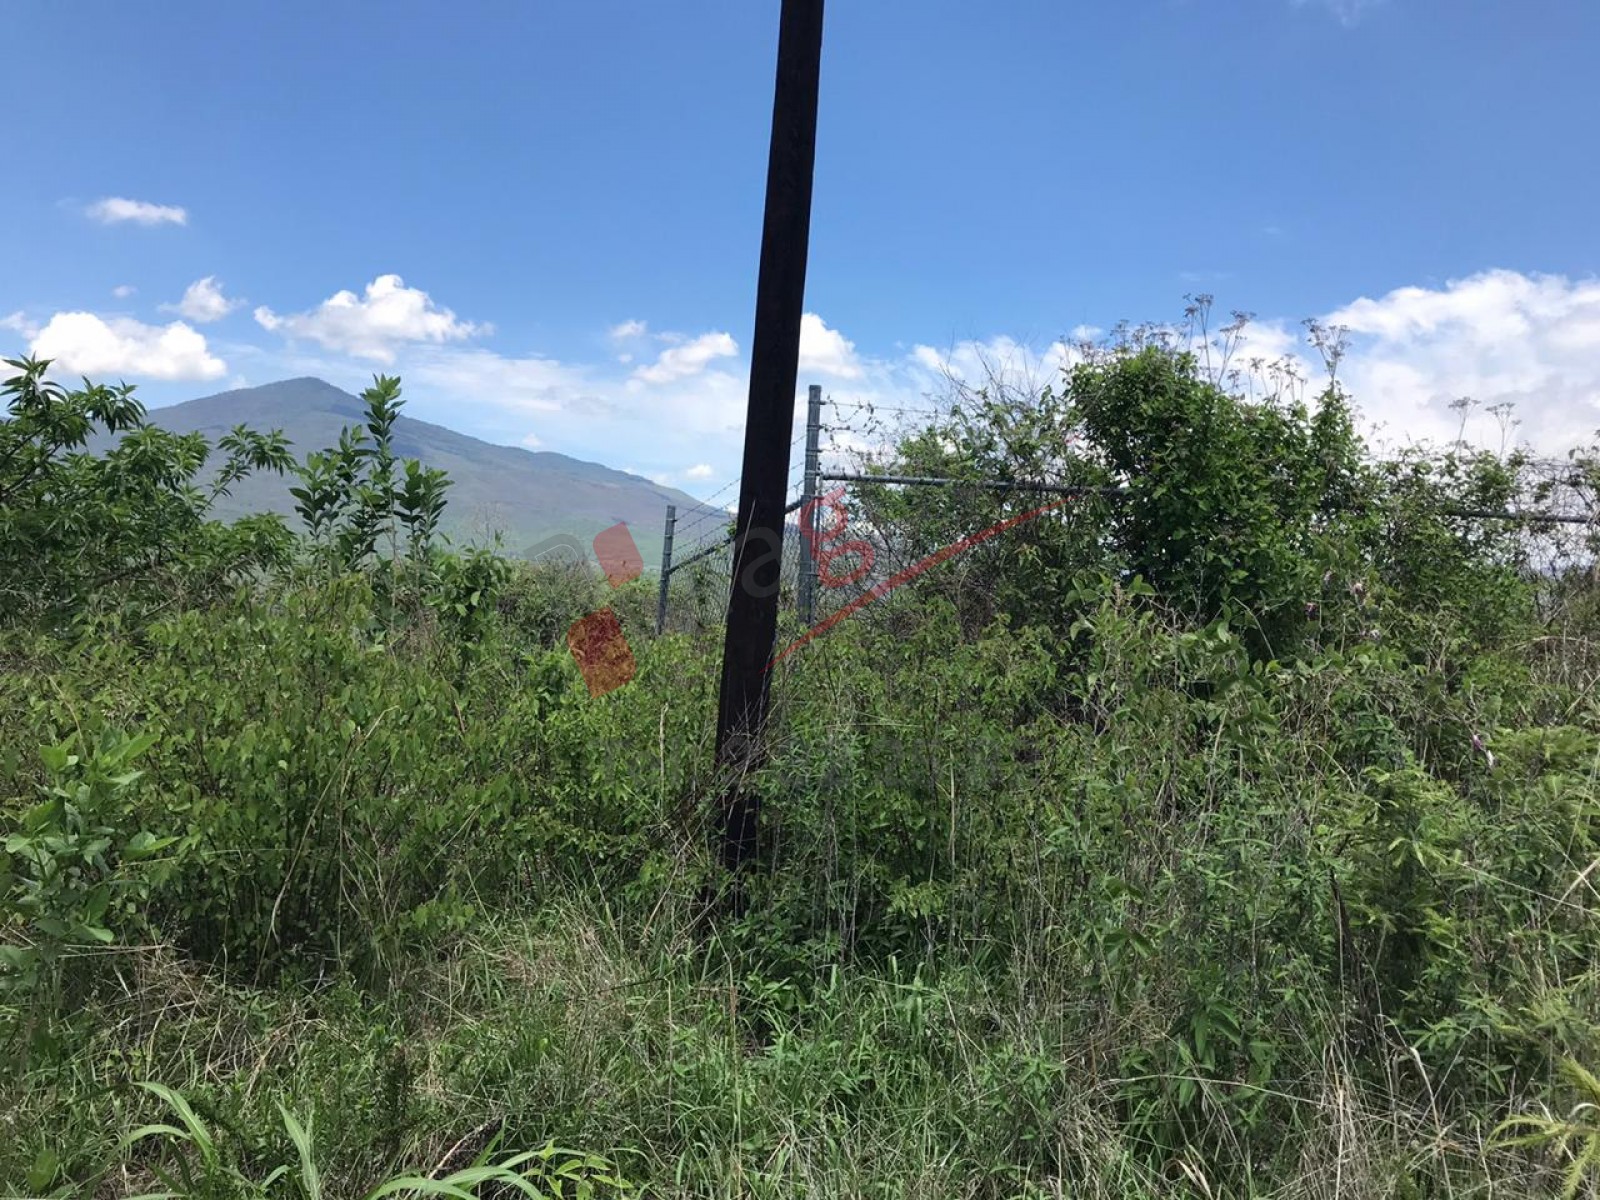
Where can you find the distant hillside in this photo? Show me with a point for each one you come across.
(525, 495)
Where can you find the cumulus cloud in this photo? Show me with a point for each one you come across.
(584, 404)
(826, 351)
(683, 403)
(690, 358)
(117, 210)
(203, 301)
(375, 325)
(123, 290)
(1498, 337)
(86, 344)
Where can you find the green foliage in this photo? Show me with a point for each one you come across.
(1576, 1135)
(541, 600)
(1227, 500)
(367, 511)
(1226, 505)
(997, 432)
(76, 865)
(126, 526)
(1097, 867)
(351, 500)
(1460, 578)
(338, 797)
(193, 1167)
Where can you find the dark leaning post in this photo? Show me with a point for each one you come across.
(774, 364)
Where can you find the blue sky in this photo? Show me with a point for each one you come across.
(545, 215)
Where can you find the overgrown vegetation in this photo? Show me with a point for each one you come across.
(1237, 836)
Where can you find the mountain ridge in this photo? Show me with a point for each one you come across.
(528, 496)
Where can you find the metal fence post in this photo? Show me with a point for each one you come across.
(806, 593)
(666, 570)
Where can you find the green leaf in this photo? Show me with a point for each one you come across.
(197, 1131)
(419, 1185)
(43, 1171)
(145, 844)
(300, 1135)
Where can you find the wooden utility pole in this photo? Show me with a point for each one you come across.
(764, 481)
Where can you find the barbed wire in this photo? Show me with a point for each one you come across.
(853, 434)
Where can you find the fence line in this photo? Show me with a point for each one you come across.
(710, 578)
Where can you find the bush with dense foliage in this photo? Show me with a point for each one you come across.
(131, 525)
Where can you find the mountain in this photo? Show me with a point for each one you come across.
(525, 495)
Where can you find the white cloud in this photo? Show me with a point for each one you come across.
(116, 210)
(1531, 342)
(627, 330)
(1498, 337)
(825, 351)
(374, 326)
(1003, 358)
(691, 358)
(520, 385)
(203, 301)
(583, 404)
(18, 322)
(123, 290)
(85, 344)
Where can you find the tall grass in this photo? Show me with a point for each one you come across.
(1125, 914)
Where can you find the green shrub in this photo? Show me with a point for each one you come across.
(128, 526)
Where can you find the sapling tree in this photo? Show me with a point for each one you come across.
(351, 501)
(365, 509)
(130, 525)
